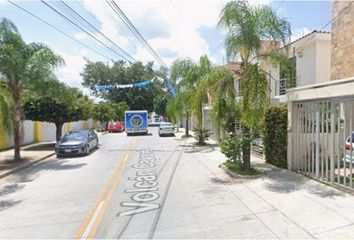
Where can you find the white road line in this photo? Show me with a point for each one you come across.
(92, 222)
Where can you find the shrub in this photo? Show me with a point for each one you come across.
(275, 136)
(232, 148)
(202, 134)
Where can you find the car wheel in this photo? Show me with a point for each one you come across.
(87, 150)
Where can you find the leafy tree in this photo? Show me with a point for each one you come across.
(138, 98)
(20, 64)
(119, 110)
(160, 104)
(103, 112)
(50, 109)
(248, 29)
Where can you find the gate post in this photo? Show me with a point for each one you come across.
(290, 130)
(317, 141)
(332, 134)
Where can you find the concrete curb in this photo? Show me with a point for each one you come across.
(24, 166)
(235, 175)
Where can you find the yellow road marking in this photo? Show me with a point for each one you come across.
(116, 174)
(108, 200)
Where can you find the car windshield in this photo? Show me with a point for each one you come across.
(74, 136)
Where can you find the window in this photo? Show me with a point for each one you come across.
(287, 77)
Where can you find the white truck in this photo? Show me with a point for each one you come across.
(136, 121)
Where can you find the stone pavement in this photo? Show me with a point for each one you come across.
(30, 154)
(205, 202)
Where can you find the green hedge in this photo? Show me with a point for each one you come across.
(275, 137)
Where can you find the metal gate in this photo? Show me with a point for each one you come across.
(322, 140)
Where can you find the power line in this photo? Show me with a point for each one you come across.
(91, 35)
(115, 22)
(131, 27)
(47, 23)
(331, 21)
(135, 31)
(102, 34)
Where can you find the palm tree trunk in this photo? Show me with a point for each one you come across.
(246, 151)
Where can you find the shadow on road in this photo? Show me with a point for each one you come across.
(41, 147)
(194, 148)
(30, 174)
(11, 188)
(140, 135)
(8, 203)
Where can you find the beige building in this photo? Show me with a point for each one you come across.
(321, 115)
(311, 57)
(342, 40)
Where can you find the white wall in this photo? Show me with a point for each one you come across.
(47, 132)
(323, 66)
(306, 66)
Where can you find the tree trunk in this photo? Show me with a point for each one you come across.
(17, 140)
(246, 156)
(246, 150)
(187, 125)
(17, 122)
(59, 127)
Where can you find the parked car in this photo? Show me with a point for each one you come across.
(347, 159)
(78, 142)
(166, 128)
(115, 127)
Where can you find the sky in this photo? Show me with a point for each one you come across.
(173, 28)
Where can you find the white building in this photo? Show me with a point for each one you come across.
(311, 57)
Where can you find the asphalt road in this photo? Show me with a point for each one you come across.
(150, 187)
(116, 191)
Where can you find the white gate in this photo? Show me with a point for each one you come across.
(322, 140)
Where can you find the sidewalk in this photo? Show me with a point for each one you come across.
(280, 204)
(30, 154)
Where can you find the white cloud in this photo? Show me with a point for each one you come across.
(3, 2)
(70, 72)
(180, 21)
(298, 33)
(180, 18)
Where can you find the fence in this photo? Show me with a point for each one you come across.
(40, 132)
(321, 133)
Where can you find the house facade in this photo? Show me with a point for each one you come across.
(311, 59)
(321, 115)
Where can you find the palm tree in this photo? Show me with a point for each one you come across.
(218, 84)
(248, 28)
(20, 64)
(185, 75)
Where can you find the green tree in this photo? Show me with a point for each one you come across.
(50, 109)
(138, 98)
(103, 112)
(248, 28)
(160, 103)
(119, 110)
(20, 64)
(185, 75)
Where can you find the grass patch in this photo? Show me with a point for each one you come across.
(239, 170)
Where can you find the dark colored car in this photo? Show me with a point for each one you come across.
(78, 142)
(115, 127)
